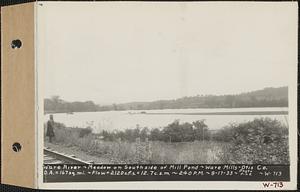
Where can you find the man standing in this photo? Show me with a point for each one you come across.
(50, 129)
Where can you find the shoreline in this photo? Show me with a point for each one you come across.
(55, 112)
(224, 113)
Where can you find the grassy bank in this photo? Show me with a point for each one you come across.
(145, 152)
(260, 141)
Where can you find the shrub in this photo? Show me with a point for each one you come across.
(85, 131)
(264, 130)
(259, 141)
(174, 132)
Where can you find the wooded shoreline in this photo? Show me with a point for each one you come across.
(226, 113)
(197, 113)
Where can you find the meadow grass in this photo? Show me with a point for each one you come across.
(154, 152)
(260, 141)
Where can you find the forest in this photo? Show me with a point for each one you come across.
(267, 97)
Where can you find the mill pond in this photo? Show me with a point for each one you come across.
(255, 135)
(215, 118)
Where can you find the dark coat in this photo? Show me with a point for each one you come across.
(50, 129)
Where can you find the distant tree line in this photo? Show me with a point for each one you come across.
(56, 105)
(268, 97)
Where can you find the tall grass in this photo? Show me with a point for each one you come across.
(144, 152)
(259, 141)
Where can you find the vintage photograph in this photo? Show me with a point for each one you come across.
(158, 83)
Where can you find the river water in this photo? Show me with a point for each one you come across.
(120, 120)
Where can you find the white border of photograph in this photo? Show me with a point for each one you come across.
(170, 185)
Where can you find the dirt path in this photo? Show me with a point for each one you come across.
(77, 152)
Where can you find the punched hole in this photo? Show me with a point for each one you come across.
(16, 44)
(17, 147)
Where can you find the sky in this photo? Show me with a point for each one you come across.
(125, 52)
